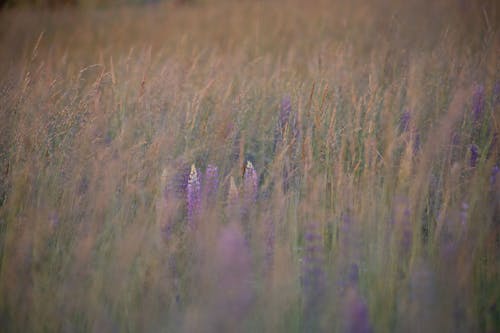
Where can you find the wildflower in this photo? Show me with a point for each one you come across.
(416, 142)
(193, 195)
(353, 275)
(54, 219)
(464, 213)
(493, 144)
(404, 121)
(250, 184)
(478, 103)
(176, 186)
(234, 285)
(357, 314)
(313, 277)
(493, 177)
(496, 93)
(474, 154)
(455, 139)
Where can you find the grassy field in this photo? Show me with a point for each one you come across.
(251, 166)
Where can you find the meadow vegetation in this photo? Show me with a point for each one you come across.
(251, 166)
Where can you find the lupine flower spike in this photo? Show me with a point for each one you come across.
(250, 183)
(404, 121)
(313, 278)
(496, 93)
(234, 278)
(193, 195)
(478, 103)
(474, 154)
(493, 177)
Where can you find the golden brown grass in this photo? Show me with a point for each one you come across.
(102, 110)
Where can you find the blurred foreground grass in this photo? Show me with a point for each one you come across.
(372, 127)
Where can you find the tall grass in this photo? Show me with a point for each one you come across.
(256, 166)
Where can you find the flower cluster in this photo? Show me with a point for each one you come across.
(193, 195)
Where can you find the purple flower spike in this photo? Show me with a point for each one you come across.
(312, 275)
(474, 154)
(176, 186)
(404, 121)
(234, 277)
(193, 195)
(313, 278)
(416, 142)
(353, 275)
(250, 183)
(493, 177)
(478, 103)
(496, 93)
(357, 315)
(464, 213)
(54, 219)
(211, 183)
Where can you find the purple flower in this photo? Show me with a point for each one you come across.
(493, 144)
(176, 187)
(493, 177)
(353, 275)
(250, 184)
(234, 277)
(193, 195)
(167, 231)
(416, 142)
(313, 278)
(357, 315)
(474, 154)
(211, 183)
(455, 138)
(478, 103)
(404, 121)
(54, 219)
(464, 213)
(496, 93)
